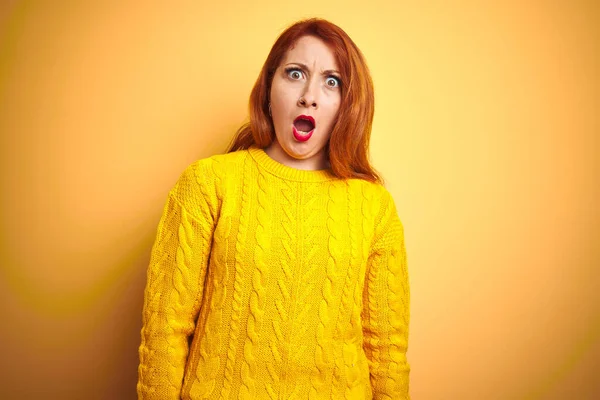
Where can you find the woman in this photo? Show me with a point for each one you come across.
(279, 268)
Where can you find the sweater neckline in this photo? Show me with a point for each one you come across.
(285, 172)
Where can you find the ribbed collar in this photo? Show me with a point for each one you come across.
(291, 174)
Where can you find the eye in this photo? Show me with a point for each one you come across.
(333, 81)
(294, 73)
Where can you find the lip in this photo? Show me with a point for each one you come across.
(301, 138)
(308, 118)
(304, 138)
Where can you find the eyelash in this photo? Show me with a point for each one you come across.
(338, 80)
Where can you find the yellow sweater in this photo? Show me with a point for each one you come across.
(269, 282)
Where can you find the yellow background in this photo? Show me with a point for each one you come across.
(486, 129)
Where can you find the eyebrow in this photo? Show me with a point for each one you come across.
(305, 67)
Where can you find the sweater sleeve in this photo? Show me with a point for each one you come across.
(175, 283)
(386, 308)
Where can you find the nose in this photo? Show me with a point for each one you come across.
(309, 97)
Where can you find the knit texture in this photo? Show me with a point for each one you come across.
(269, 282)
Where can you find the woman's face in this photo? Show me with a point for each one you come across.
(306, 83)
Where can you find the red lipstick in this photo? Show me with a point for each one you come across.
(303, 128)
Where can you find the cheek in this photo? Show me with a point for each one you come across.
(276, 89)
(337, 107)
(279, 103)
(332, 111)
(333, 101)
(281, 91)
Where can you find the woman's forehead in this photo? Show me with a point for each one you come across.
(311, 50)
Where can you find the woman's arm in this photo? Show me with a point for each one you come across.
(386, 311)
(175, 283)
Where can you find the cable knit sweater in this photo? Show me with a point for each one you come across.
(269, 282)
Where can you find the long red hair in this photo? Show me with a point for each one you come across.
(348, 145)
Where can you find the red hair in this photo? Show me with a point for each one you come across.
(348, 145)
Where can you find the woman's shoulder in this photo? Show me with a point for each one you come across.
(214, 168)
(202, 181)
(218, 162)
(368, 189)
(209, 176)
(377, 202)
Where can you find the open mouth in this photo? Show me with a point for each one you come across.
(304, 124)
